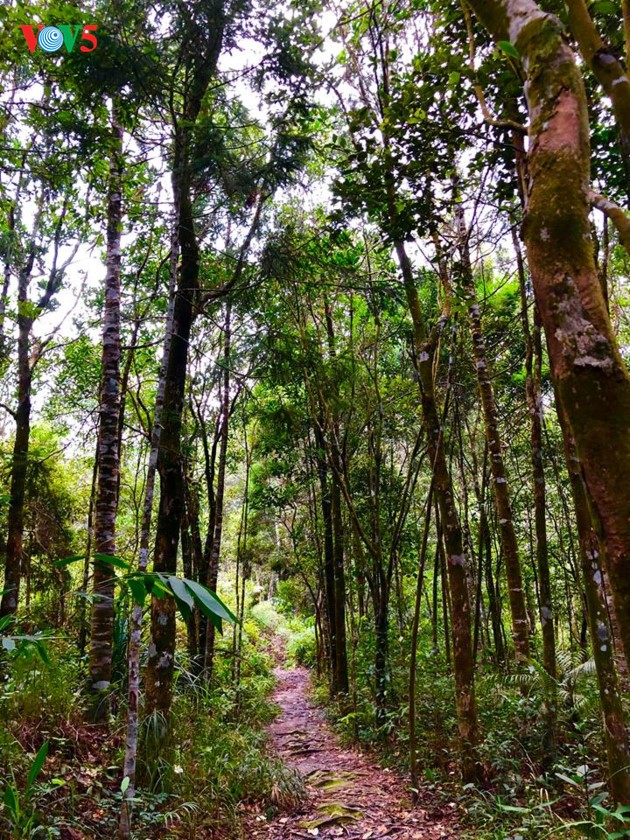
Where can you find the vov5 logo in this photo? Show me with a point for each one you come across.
(51, 38)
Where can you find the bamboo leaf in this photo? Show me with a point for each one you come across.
(210, 601)
(38, 763)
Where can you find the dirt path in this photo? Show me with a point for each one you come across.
(348, 794)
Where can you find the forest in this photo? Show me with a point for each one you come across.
(314, 419)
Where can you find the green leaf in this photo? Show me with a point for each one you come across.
(184, 600)
(40, 647)
(112, 560)
(513, 809)
(138, 590)
(508, 48)
(124, 784)
(604, 7)
(568, 780)
(209, 601)
(155, 584)
(5, 621)
(10, 799)
(38, 763)
(180, 591)
(66, 561)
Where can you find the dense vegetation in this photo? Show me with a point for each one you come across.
(314, 334)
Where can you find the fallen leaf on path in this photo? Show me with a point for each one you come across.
(329, 780)
(333, 814)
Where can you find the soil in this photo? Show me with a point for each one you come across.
(348, 794)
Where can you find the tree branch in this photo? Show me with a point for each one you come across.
(616, 215)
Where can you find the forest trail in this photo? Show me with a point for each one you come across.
(348, 795)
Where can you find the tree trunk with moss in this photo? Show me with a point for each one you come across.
(591, 380)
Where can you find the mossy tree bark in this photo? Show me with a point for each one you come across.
(591, 380)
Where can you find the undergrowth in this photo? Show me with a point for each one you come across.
(522, 798)
(200, 783)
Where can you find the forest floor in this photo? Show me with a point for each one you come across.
(348, 794)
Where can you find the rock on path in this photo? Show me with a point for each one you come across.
(348, 795)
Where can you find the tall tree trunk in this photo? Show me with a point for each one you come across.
(381, 657)
(242, 558)
(189, 567)
(341, 653)
(108, 445)
(19, 461)
(615, 733)
(507, 532)
(19, 465)
(210, 464)
(329, 555)
(85, 572)
(413, 655)
(533, 373)
(135, 635)
(591, 380)
(160, 663)
(201, 47)
(463, 662)
(217, 533)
